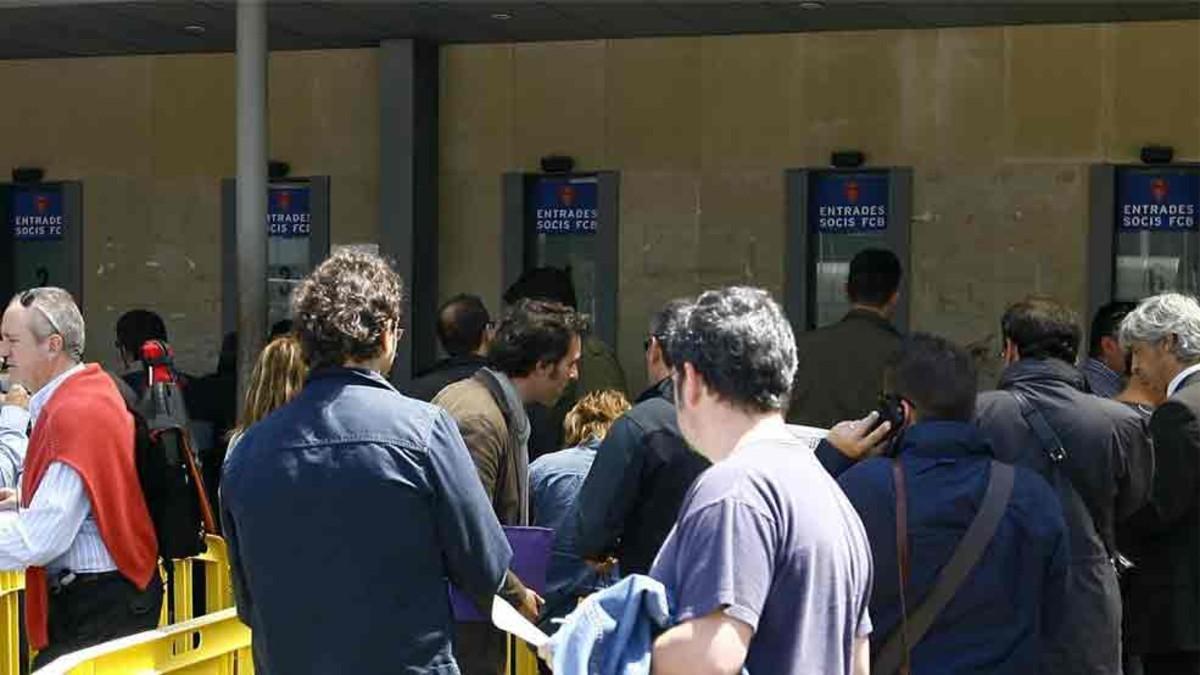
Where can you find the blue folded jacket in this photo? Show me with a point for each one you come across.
(612, 631)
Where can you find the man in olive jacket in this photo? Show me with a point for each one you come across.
(839, 373)
(533, 356)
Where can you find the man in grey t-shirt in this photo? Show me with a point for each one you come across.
(768, 566)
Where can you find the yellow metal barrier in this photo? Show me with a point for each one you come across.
(218, 595)
(218, 586)
(216, 644)
(522, 660)
(12, 652)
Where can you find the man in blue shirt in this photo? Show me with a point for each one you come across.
(348, 509)
(768, 566)
(1012, 598)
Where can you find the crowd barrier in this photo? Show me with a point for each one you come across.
(13, 652)
(214, 644)
(206, 638)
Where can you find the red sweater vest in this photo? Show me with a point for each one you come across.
(86, 426)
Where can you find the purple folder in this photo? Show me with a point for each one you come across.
(531, 559)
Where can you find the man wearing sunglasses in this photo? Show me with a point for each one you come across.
(78, 524)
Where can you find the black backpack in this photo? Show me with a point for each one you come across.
(166, 466)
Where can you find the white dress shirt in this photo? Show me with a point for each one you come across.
(58, 530)
(1178, 381)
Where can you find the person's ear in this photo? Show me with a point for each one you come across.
(56, 343)
(692, 388)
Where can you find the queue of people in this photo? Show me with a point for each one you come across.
(1051, 524)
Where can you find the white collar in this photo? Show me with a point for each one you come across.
(42, 397)
(1178, 381)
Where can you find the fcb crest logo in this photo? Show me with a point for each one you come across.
(41, 203)
(566, 195)
(851, 190)
(1159, 189)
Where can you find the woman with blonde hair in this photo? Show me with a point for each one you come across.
(554, 482)
(278, 375)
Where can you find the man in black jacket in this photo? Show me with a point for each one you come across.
(464, 328)
(642, 470)
(1101, 472)
(1164, 613)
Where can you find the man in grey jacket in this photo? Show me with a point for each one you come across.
(1094, 452)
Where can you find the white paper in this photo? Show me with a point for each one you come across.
(508, 619)
(810, 435)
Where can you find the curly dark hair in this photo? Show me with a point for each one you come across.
(533, 332)
(342, 309)
(739, 341)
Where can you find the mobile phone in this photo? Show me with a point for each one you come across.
(890, 408)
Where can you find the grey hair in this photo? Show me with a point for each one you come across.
(56, 313)
(1159, 317)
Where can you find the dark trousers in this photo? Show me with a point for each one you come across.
(1173, 663)
(98, 608)
(479, 648)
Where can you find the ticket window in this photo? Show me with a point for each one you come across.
(833, 214)
(1145, 232)
(567, 221)
(43, 241)
(298, 240)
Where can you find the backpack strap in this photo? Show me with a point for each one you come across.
(968, 552)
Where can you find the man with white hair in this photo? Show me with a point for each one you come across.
(1164, 613)
(79, 525)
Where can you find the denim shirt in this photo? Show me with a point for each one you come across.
(612, 632)
(347, 511)
(555, 480)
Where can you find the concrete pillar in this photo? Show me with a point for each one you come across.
(251, 185)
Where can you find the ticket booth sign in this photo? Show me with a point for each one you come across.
(288, 212)
(849, 203)
(566, 206)
(833, 214)
(37, 214)
(1158, 200)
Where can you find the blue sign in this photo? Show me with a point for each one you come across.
(1158, 199)
(37, 214)
(565, 206)
(848, 202)
(288, 214)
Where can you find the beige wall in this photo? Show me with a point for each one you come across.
(999, 125)
(151, 137)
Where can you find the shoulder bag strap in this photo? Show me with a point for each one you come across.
(901, 486)
(966, 555)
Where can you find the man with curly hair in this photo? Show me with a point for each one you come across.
(768, 566)
(347, 509)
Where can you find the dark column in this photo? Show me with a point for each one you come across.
(408, 191)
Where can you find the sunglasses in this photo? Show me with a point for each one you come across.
(27, 299)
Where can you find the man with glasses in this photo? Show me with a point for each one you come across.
(79, 524)
(642, 469)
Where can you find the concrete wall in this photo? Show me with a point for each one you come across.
(999, 124)
(151, 138)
